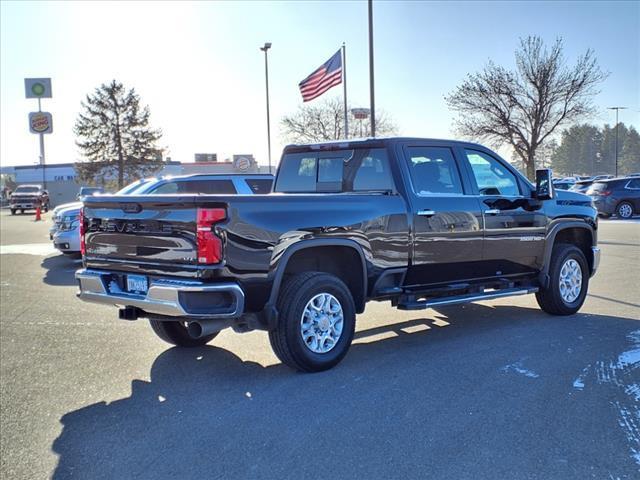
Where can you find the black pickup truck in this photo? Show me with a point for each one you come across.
(417, 222)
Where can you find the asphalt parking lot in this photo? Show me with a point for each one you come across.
(491, 390)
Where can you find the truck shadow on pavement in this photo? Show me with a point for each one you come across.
(483, 392)
(60, 270)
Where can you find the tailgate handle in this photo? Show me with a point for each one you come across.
(132, 208)
(426, 213)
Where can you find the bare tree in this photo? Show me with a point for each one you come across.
(325, 121)
(524, 107)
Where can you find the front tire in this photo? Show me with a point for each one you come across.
(176, 333)
(624, 210)
(316, 322)
(568, 281)
(13, 211)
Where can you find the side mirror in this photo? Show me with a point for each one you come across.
(544, 185)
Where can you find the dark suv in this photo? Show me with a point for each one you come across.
(619, 196)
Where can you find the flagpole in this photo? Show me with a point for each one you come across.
(344, 85)
(371, 81)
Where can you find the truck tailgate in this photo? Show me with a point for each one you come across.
(153, 234)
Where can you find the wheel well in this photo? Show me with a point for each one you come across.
(581, 238)
(343, 262)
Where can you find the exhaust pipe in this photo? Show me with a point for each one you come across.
(202, 328)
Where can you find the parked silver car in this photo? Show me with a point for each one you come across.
(66, 234)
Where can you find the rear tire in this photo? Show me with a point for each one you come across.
(22, 211)
(176, 333)
(568, 281)
(13, 211)
(316, 322)
(624, 210)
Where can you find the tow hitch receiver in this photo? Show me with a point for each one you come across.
(128, 313)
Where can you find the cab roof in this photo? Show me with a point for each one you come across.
(371, 142)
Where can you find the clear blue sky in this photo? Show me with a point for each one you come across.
(199, 68)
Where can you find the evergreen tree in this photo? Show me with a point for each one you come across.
(629, 160)
(589, 150)
(608, 150)
(115, 137)
(578, 150)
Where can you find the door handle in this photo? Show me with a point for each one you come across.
(426, 213)
(492, 211)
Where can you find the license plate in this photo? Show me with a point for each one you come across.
(137, 283)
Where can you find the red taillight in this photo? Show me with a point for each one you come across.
(209, 244)
(81, 227)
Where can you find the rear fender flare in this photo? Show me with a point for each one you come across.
(278, 275)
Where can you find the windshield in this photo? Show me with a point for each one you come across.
(27, 189)
(89, 190)
(132, 187)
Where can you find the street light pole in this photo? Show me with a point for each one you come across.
(266, 47)
(617, 109)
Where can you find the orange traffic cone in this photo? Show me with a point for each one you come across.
(38, 214)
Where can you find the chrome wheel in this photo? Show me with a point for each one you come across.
(625, 211)
(570, 281)
(321, 323)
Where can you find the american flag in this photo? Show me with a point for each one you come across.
(322, 79)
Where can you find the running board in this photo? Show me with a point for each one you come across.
(470, 297)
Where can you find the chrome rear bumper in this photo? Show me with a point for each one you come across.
(174, 298)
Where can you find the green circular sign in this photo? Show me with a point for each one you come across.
(37, 89)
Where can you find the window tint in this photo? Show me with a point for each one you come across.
(634, 184)
(434, 170)
(222, 187)
(330, 174)
(260, 185)
(297, 173)
(165, 188)
(491, 176)
(196, 186)
(341, 171)
(374, 172)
